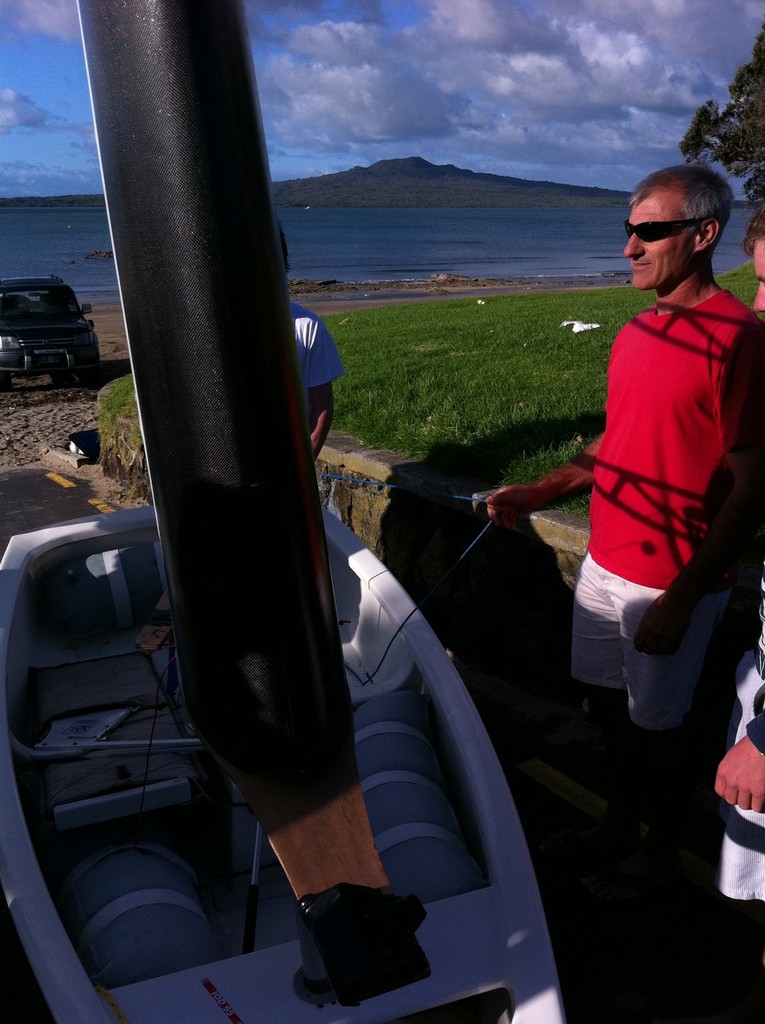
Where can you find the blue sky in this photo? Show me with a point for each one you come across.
(587, 92)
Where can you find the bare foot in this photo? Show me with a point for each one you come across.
(579, 854)
(613, 844)
(615, 886)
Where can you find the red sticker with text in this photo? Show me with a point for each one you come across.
(223, 1003)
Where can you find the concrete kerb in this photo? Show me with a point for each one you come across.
(567, 535)
(497, 602)
(344, 455)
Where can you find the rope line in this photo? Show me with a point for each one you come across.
(427, 597)
(109, 998)
(428, 494)
(400, 487)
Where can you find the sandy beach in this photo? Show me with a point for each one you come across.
(338, 296)
(326, 297)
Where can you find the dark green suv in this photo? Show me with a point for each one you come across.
(43, 329)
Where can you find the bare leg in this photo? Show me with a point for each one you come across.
(649, 781)
(619, 831)
(667, 790)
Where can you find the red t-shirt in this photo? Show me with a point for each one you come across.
(683, 390)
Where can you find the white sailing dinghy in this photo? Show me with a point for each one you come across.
(243, 779)
(126, 856)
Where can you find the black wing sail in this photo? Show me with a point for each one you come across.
(211, 342)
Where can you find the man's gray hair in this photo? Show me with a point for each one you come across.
(705, 192)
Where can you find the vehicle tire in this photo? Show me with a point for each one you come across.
(5, 381)
(90, 378)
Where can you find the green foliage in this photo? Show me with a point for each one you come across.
(735, 135)
(741, 282)
(118, 417)
(493, 389)
(117, 402)
(73, 201)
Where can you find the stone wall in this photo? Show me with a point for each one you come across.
(500, 599)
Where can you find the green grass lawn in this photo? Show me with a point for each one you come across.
(494, 388)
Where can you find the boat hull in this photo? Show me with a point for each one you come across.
(486, 941)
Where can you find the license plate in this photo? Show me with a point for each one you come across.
(49, 359)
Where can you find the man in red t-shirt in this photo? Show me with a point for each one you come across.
(678, 491)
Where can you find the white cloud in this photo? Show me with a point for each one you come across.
(514, 82)
(581, 91)
(55, 18)
(19, 112)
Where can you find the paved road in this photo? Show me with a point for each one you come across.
(685, 951)
(42, 494)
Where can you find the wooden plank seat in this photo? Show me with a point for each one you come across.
(110, 741)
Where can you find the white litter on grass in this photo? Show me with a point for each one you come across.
(577, 326)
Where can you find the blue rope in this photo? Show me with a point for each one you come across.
(399, 487)
(427, 597)
(465, 553)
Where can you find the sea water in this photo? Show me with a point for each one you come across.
(370, 244)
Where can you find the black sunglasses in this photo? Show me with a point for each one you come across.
(655, 230)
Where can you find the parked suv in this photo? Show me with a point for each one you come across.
(43, 330)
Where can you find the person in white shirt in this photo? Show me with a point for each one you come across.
(320, 365)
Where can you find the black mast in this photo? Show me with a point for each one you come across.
(212, 348)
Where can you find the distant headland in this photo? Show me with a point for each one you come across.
(413, 182)
(65, 201)
(408, 182)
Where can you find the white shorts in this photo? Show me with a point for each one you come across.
(607, 612)
(741, 870)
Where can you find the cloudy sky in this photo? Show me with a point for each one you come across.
(587, 92)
